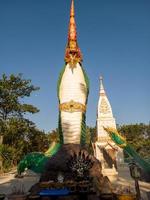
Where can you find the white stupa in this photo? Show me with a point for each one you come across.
(104, 114)
(105, 149)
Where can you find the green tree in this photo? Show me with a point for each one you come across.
(24, 137)
(8, 155)
(14, 127)
(93, 133)
(12, 90)
(138, 135)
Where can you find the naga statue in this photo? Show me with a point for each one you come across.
(72, 89)
(121, 142)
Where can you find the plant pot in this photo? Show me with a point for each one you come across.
(126, 197)
(17, 196)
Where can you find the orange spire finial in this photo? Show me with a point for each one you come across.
(73, 54)
(72, 34)
(72, 9)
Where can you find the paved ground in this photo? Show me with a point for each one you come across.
(7, 182)
(125, 180)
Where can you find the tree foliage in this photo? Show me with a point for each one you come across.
(8, 154)
(12, 90)
(138, 135)
(19, 135)
(24, 137)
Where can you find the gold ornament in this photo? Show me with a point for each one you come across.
(104, 107)
(72, 106)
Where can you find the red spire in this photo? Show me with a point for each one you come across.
(73, 54)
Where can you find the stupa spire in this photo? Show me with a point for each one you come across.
(72, 9)
(102, 90)
(72, 33)
(73, 53)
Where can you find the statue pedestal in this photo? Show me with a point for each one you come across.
(70, 161)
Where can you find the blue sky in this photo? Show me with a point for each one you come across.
(114, 37)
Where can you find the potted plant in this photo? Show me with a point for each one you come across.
(18, 193)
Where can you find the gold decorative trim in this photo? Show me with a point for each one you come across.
(72, 106)
(122, 145)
